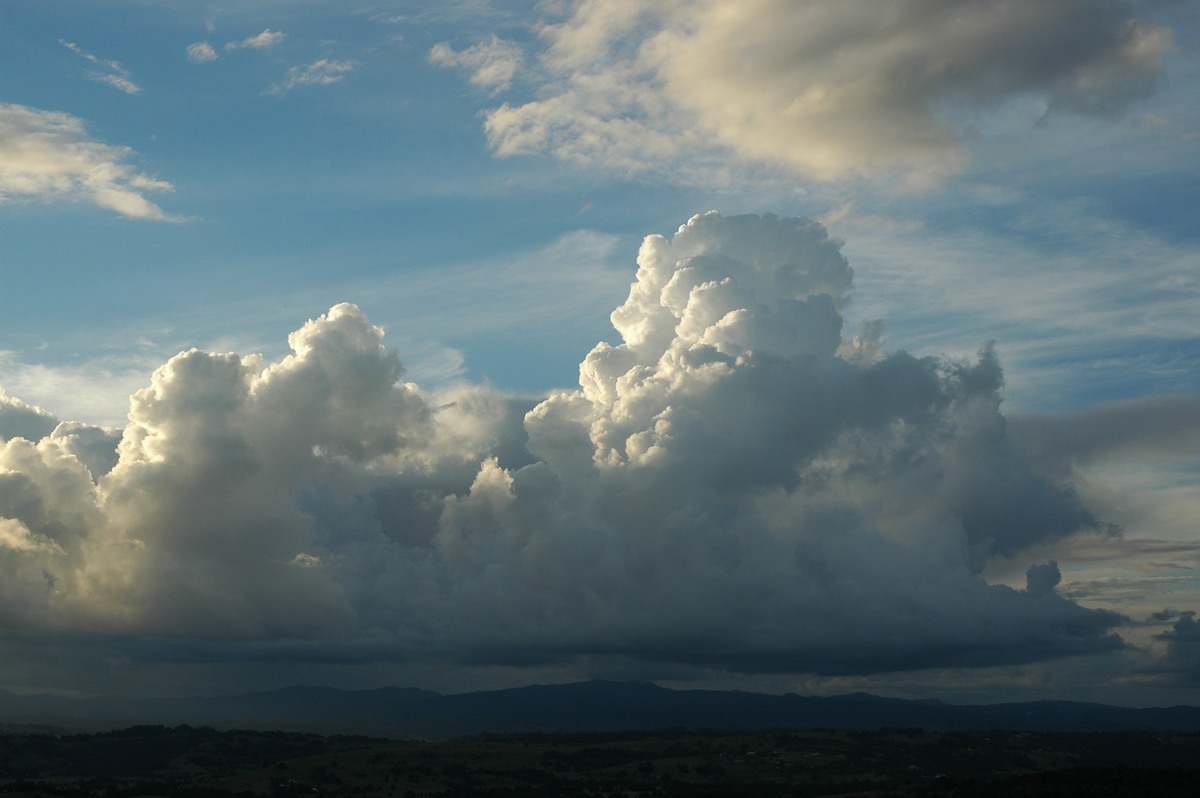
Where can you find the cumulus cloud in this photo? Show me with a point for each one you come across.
(723, 489)
(492, 63)
(201, 52)
(111, 72)
(21, 420)
(93, 446)
(321, 72)
(49, 155)
(824, 89)
(262, 41)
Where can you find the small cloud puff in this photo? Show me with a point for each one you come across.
(48, 155)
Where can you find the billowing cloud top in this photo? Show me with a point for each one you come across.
(732, 485)
(823, 88)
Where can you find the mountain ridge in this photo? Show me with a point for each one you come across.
(589, 706)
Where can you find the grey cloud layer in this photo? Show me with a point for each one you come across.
(822, 88)
(1162, 424)
(732, 485)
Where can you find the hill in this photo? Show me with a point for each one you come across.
(593, 706)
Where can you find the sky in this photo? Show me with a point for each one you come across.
(779, 345)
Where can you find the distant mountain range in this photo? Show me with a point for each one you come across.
(595, 706)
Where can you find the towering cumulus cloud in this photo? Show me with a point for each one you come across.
(734, 485)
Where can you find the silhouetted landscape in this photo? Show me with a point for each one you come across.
(590, 738)
(594, 706)
(201, 761)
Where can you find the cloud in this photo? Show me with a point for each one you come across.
(319, 73)
(492, 63)
(262, 41)
(722, 490)
(201, 52)
(93, 446)
(1181, 662)
(96, 389)
(48, 155)
(113, 73)
(824, 90)
(118, 82)
(20, 420)
(1155, 425)
(1098, 331)
(1133, 461)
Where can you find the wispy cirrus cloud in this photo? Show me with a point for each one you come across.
(321, 72)
(110, 73)
(1098, 328)
(48, 155)
(201, 53)
(260, 41)
(492, 63)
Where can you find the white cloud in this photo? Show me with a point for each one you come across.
(723, 490)
(822, 89)
(201, 52)
(117, 82)
(319, 73)
(262, 41)
(492, 63)
(93, 446)
(48, 155)
(16, 536)
(113, 73)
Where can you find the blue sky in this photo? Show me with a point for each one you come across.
(477, 178)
